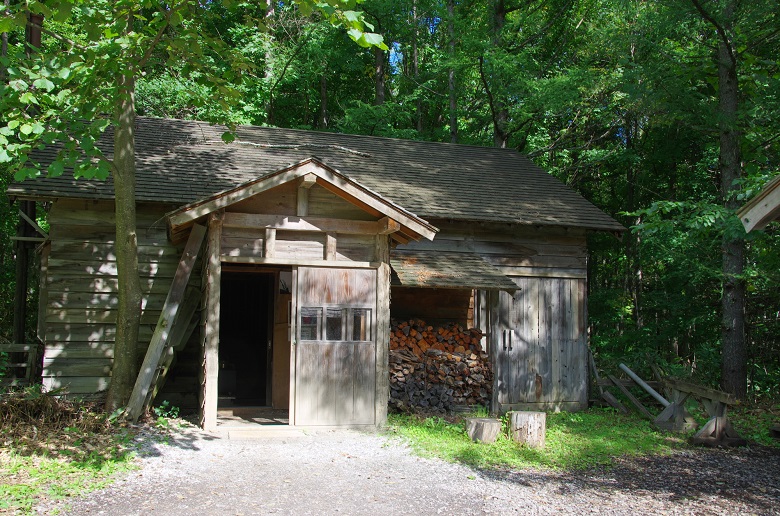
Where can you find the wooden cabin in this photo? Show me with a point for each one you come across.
(301, 246)
(763, 208)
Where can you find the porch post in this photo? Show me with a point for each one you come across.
(211, 327)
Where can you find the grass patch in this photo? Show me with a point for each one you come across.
(573, 441)
(753, 420)
(54, 449)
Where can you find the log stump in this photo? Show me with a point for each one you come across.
(528, 428)
(483, 429)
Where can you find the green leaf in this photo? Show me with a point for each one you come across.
(353, 16)
(44, 83)
(62, 12)
(4, 157)
(374, 40)
(56, 169)
(6, 24)
(355, 34)
(19, 85)
(228, 137)
(26, 129)
(25, 173)
(28, 98)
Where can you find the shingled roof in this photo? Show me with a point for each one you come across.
(183, 161)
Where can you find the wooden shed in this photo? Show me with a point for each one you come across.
(311, 241)
(763, 208)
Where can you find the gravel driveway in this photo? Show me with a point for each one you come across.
(344, 472)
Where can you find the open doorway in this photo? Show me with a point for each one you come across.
(246, 305)
(252, 372)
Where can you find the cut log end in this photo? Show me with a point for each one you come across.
(482, 429)
(528, 428)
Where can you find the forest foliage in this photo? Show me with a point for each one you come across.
(618, 99)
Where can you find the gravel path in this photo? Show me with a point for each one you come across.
(343, 472)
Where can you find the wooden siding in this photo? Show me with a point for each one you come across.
(283, 200)
(80, 294)
(539, 345)
(537, 337)
(514, 250)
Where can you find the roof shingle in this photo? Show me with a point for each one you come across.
(184, 161)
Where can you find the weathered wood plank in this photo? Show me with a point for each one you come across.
(641, 408)
(166, 324)
(301, 263)
(304, 184)
(77, 385)
(381, 321)
(330, 246)
(259, 222)
(269, 243)
(211, 326)
(69, 367)
(79, 350)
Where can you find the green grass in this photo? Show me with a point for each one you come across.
(752, 421)
(70, 464)
(573, 441)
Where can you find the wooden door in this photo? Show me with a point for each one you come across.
(335, 346)
(541, 352)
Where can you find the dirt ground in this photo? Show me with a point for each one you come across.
(344, 472)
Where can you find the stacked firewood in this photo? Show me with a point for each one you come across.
(437, 369)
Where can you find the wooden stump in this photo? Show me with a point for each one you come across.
(483, 429)
(528, 428)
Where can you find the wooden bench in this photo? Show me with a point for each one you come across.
(718, 430)
(13, 364)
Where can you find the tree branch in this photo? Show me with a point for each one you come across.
(718, 28)
(491, 102)
(59, 38)
(155, 41)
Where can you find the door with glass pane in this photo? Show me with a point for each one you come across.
(335, 350)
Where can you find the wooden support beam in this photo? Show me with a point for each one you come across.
(388, 226)
(180, 334)
(269, 244)
(641, 408)
(34, 225)
(305, 183)
(701, 391)
(675, 418)
(211, 328)
(330, 246)
(382, 331)
(252, 260)
(160, 341)
(311, 224)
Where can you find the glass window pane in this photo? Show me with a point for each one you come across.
(310, 323)
(361, 324)
(334, 323)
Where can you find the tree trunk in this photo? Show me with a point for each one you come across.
(4, 43)
(451, 74)
(22, 273)
(379, 76)
(734, 360)
(269, 62)
(322, 119)
(416, 67)
(500, 110)
(125, 368)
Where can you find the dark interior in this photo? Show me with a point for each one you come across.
(244, 333)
